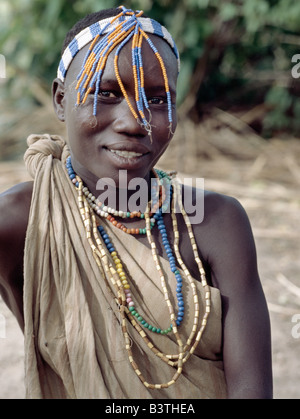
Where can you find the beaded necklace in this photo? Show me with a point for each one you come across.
(99, 241)
(159, 208)
(110, 214)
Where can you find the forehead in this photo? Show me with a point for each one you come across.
(150, 62)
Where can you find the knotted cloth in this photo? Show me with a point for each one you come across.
(74, 347)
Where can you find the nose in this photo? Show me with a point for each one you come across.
(126, 123)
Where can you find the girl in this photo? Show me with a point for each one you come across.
(118, 298)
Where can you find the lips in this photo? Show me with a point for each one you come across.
(128, 146)
(127, 150)
(126, 154)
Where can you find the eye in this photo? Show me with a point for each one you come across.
(157, 101)
(107, 94)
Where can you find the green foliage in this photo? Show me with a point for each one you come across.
(235, 54)
(31, 36)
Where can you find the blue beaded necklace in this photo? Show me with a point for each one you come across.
(158, 217)
(110, 214)
(98, 239)
(176, 272)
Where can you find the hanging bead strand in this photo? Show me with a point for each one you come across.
(111, 267)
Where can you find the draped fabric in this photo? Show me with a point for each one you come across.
(74, 347)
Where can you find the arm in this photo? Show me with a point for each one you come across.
(246, 325)
(14, 210)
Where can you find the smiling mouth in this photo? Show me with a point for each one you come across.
(126, 154)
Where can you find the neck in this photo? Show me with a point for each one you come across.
(125, 194)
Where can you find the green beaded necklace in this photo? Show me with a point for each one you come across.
(99, 250)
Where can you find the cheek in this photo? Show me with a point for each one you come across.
(164, 134)
(161, 141)
(161, 116)
(161, 125)
(174, 118)
(82, 122)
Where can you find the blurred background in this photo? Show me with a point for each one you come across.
(239, 129)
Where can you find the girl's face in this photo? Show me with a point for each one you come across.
(97, 142)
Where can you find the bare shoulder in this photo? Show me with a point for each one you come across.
(213, 209)
(226, 242)
(14, 210)
(222, 230)
(224, 209)
(229, 226)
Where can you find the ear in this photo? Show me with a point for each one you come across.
(58, 97)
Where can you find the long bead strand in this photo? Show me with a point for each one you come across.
(122, 287)
(177, 188)
(110, 213)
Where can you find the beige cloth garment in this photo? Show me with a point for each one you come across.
(74, 347)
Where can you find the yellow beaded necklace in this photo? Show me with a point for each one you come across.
(121, 286)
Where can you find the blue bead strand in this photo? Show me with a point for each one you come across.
(71, 173)
(164, 236)
(157, 219)
(102, 207)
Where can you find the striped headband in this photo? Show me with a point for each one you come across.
(112, 34)
(105, 26)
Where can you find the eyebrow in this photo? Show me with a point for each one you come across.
(153, 88)
(111, 81)
(156, 89)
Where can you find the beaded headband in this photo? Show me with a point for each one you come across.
(116, 32)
